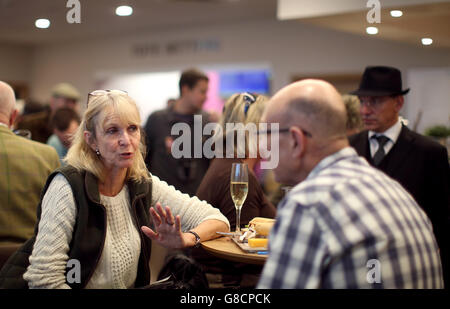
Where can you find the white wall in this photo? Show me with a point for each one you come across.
(429, 96)
(162, 86)
(288, 48)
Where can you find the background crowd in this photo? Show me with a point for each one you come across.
(82, 179)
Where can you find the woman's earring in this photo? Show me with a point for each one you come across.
(97, 152)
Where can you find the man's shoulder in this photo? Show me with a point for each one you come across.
(158, 117)
(421, 141)
(56, 143)
(38, 147)
(161, 113)
(350, 181)
(53, 140)
(32, 152)
(337, 178)
(355, 138)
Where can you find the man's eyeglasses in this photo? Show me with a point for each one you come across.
(283, 130)
(373, 102)
(97, 93)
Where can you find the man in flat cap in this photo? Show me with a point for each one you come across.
(417, 162)
(62, 95)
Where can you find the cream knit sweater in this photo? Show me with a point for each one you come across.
(119, 260)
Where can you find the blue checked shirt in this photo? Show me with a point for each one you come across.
(349, 225)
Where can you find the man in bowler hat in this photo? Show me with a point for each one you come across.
(417, 162)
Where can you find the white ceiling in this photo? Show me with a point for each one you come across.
(421, 18)
(296, 9)
(17, 17)
(98, 19)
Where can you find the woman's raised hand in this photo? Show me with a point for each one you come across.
(167, 228)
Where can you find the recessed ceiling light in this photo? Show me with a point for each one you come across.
(42, 23)
(372, 30)
(396, 13)
(427, 41)
(124, 10)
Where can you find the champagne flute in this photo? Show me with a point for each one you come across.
(239, 189)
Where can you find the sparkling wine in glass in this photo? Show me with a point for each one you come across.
(239, 189)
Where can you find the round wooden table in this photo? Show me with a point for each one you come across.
(225, 248)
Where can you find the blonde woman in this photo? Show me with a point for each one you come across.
(245, 109)
(354, 121)
(104, 208)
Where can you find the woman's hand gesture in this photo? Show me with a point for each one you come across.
(167, 228)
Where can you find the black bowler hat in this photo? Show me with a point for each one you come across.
(380, 81)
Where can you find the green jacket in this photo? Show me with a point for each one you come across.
(24, 167)
(89, 230)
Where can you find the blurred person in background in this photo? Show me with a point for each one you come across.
(30, 106)
(170, 103)
(354, 121)
(417, 162)
(185, 174)
(65, 122)
(62, 95)
(243, 108)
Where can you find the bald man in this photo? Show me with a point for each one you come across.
(344, 224)
(24, 168)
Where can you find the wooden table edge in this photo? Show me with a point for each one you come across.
(236, 254)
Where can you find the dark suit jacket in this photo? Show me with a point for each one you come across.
(421, 166)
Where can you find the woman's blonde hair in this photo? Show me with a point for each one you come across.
(242, 108)
(234, 109)
(352, 107)
(83, 157)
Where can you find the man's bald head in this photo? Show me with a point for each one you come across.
(313, 105)
(315, 116)
(7, 101)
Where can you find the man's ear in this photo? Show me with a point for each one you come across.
(184, 90)
(399, 101)
(12, 117)
(297, 141)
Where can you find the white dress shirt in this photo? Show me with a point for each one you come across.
(392, 133)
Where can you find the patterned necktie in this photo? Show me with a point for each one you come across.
(379, 155)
